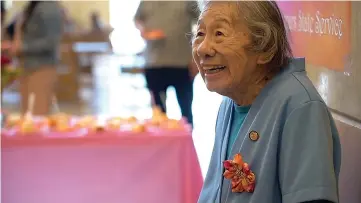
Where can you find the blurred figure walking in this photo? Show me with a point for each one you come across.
(164, 25)
(36, 43)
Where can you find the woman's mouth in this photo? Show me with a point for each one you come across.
(214, 69)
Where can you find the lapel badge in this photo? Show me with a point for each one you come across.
(253, 135)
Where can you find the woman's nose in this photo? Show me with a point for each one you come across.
(206, 49)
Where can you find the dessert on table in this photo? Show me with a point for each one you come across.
(65, 123)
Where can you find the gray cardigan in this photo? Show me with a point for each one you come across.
(42, 36)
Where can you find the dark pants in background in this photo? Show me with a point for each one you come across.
(160, 78)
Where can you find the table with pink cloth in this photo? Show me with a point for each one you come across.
(100, 168)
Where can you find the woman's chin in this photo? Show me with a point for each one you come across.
(215, 87)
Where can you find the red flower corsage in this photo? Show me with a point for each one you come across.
(238, 172)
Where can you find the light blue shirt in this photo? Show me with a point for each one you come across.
(298, 154)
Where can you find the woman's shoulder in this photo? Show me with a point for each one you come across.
(289, 90)
(294, 88)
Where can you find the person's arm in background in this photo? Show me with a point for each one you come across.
(140, 16)
(52, 26)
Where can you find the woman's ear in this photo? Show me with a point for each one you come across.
(264, 58)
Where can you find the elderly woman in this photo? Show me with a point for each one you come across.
(276, 141)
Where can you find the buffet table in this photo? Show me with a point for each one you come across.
(103, 167)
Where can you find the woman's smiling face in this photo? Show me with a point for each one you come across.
(219, 49)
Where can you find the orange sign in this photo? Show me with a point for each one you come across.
(320, 31)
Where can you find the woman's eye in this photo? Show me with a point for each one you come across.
(199, 34)
(219, 33)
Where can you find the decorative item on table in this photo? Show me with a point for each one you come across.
(99, 128)
(24, 124)
(12, 120)
(114, 123)
(158, 117)
(92, 124)
(139, 128)
(15, 124)
(172, 124)
(28, 124)
(89, 125)
(98, 125)
(86, 122)
(136, 126)
(132, 119)
(96, 128)
(60, 122)
(10, 124)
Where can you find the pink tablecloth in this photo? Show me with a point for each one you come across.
(100, 169)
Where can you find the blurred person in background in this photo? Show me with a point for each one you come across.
(36, 43)
(96, 23)
(4, 58)
(3, 16)
(164, 26)
(3, 12)
(69, 25)
(10, 28)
